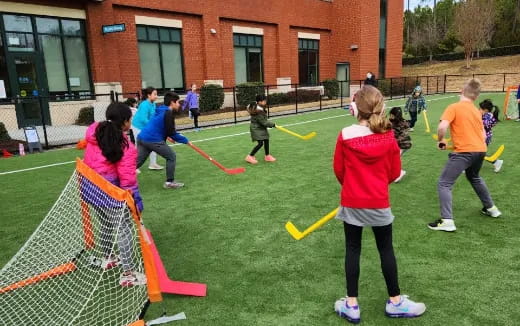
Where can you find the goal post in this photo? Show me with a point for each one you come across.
(52, 280)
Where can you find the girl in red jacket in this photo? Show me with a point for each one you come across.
(366, 161)
(111, 154)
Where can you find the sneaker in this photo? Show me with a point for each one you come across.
(137, 171)
(270, 158)
(173, 185)
(352, 314)
(443, 224)
(493, 211)
(403, 173)
(198, 129)
(132, 279)
(517, 120)
(155, 167)
(406, 308)
(498, 165)
(411, 129)
(251, 159)
(104, 263)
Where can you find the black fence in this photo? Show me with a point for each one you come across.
(494, 52)
(64, 120)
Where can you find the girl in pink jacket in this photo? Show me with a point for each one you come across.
(110, 153)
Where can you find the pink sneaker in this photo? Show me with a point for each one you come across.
(270, 158)
(251, 159)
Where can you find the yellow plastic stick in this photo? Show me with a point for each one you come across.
(296, 234)
(306, 137)
(434, 136)
(425, 116)
(497, 154)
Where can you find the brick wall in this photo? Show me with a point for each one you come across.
(394, 40)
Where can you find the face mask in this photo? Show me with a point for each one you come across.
(369, 75)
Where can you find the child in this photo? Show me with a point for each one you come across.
(132, 103)
(414, 105)
(366, 161)
(518, 101)
(145, 112)
(400, 127)
(490, 118)
(258, 129)
(192, 103)
(154, 134)
(111, 155)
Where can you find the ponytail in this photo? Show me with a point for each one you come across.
(251, 108)
(370, 104)
(378, 123)
(109, 133)
(496, 113)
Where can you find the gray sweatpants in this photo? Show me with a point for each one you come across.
(458, 162)
(163, 150)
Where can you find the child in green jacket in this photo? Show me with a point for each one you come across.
(258, 129)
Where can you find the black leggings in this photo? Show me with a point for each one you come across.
(261, 143)
(383, 235)
(195, 114)
(413, 118)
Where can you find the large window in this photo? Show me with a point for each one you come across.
(4, 77)
(382, 37)
(248, 58)
(309, 61)
(160, 55)
(62, 43)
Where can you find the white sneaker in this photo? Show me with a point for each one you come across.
(137, 171)
(498, 165)
(411, 129)
(403, 173)
(132, 279)
(105, 263)
(443, 224)
(173, 185)
(493, 211)
(155, 167)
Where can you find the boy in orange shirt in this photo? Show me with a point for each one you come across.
(467, 132)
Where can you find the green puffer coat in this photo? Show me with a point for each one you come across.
(259, 125)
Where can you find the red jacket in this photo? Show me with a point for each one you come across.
(364, 166)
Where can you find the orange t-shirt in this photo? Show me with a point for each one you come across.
(466, 127)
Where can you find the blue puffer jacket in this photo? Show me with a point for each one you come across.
(160, 127)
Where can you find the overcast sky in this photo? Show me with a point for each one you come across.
(415, 3)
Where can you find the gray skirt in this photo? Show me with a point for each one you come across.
(365, 216)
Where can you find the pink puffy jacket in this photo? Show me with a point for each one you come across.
(122, 173)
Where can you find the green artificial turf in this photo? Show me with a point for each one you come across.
(228, 230)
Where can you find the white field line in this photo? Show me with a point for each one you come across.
(225, 136)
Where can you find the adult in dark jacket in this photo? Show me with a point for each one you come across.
(371, 79)
(258, 129)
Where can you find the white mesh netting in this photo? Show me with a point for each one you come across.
(57, 277)
(511, 103)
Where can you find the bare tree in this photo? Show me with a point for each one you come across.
(474, 23)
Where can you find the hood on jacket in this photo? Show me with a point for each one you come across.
(372, 148)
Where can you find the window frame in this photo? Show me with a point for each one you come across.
(67, 94)
(307, 48)
(163, 89)
(247, 47)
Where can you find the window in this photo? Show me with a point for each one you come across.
(160, 56)
(3, 69)
(382, 37)
(248, 58)
(19, 33)
(309, 61)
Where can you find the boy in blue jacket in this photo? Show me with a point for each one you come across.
(152, 138)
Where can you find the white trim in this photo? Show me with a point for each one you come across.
(26, 8)
(248, 30)
(154, 21)
(311, 36)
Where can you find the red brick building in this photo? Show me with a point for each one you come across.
(170, 44)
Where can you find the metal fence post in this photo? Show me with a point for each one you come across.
(112, 97)
(437, 88)
(391, 88)
(296, 96)
(504, 84)
(234, 104)
(42, 114)
(404, 88)
(445, 81)
(427, 85)
(320, 96)
(341, 93)
(268, 104)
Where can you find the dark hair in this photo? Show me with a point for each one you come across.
(397, 114)
(170, 97)
(251, 108)
(130, 101)
(260, 98)
(147, 92)
(109, 133)
(488, 105)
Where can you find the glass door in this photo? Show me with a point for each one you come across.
(27, 85)
(343, 75)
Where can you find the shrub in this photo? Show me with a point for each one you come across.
(4, 135)
(331, 87)
(211, 97)
(246, 92)
(304, 95)
(86, 116)
(278, 98)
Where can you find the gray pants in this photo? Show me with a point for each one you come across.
(124, 238)
(458, 162)
(163, 150)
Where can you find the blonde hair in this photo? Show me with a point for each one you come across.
(471, 88)
(370, 105)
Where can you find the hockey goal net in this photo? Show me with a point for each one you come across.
(56, 277)
(511, 103)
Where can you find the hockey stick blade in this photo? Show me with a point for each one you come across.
(293, 231)
(309, 136)
(235, 171)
